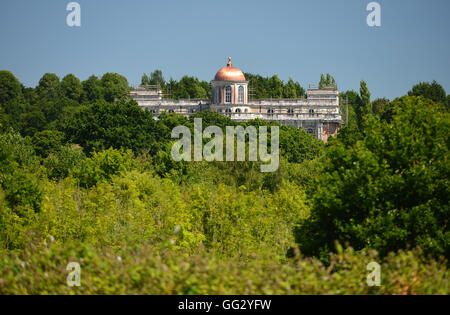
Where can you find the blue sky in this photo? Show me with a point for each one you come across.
(291, 38)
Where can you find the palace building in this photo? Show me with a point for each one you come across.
(318, 113)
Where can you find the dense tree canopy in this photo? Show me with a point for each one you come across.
(119, 125)
(390, 190)
(433, 91)
(114, 86)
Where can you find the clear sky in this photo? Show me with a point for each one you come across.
(291, 38)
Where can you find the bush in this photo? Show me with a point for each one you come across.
(67, 159)
(162, 271)
(103, 165)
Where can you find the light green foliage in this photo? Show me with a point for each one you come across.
(162, 271)
(327, 81)
(103, 165)
(64, 161)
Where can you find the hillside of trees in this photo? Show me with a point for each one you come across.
(86, 176)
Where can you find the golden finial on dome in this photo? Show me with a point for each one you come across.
(229, 61)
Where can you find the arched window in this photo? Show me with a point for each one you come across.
(241, 95)
(270, 111)
(170, 110)
(290, 111)
(311, 112)
(228, 110)
(238, 110)
(228, 94)
(217, 95)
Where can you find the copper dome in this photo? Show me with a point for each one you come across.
(229, 73)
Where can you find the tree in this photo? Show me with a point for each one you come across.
(47, 141)
(363, 105)
(350, 132)
(71, 87)
(157, 78)
(296, 145)
(327, 81)
(114, 86)
(102, 125)
(390, 190)
(145, 80)
(433, 91)
(11, 97)
(49, 87)
(188, 87)
(10, 87)
(380, 105)
(275, 87)
(92, 89)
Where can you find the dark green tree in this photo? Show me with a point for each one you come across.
(71, 87)
(49, 87)
(93, 89)
(47, 141)
(433, 91)
(119, 125)
(12, 100)
(115, 86)
(380, 105)
(390, 190)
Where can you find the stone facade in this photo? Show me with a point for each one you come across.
(318, 113)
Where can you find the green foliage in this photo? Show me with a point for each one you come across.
(273, 87)
(380, 105)
(10, 87)
(119, 125)
(115, 86)
(327, 81)
(103, 165)
(15, 152)
(49, 87)
(47, 141)
(92, 89)
(189, 88)
(12, 102)
(163, 271)
(22, 191)
(390, 190)
(71, 87)
(433, 91)
(212, 118)
(64, 161)
(158, 226)
(297, 145)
